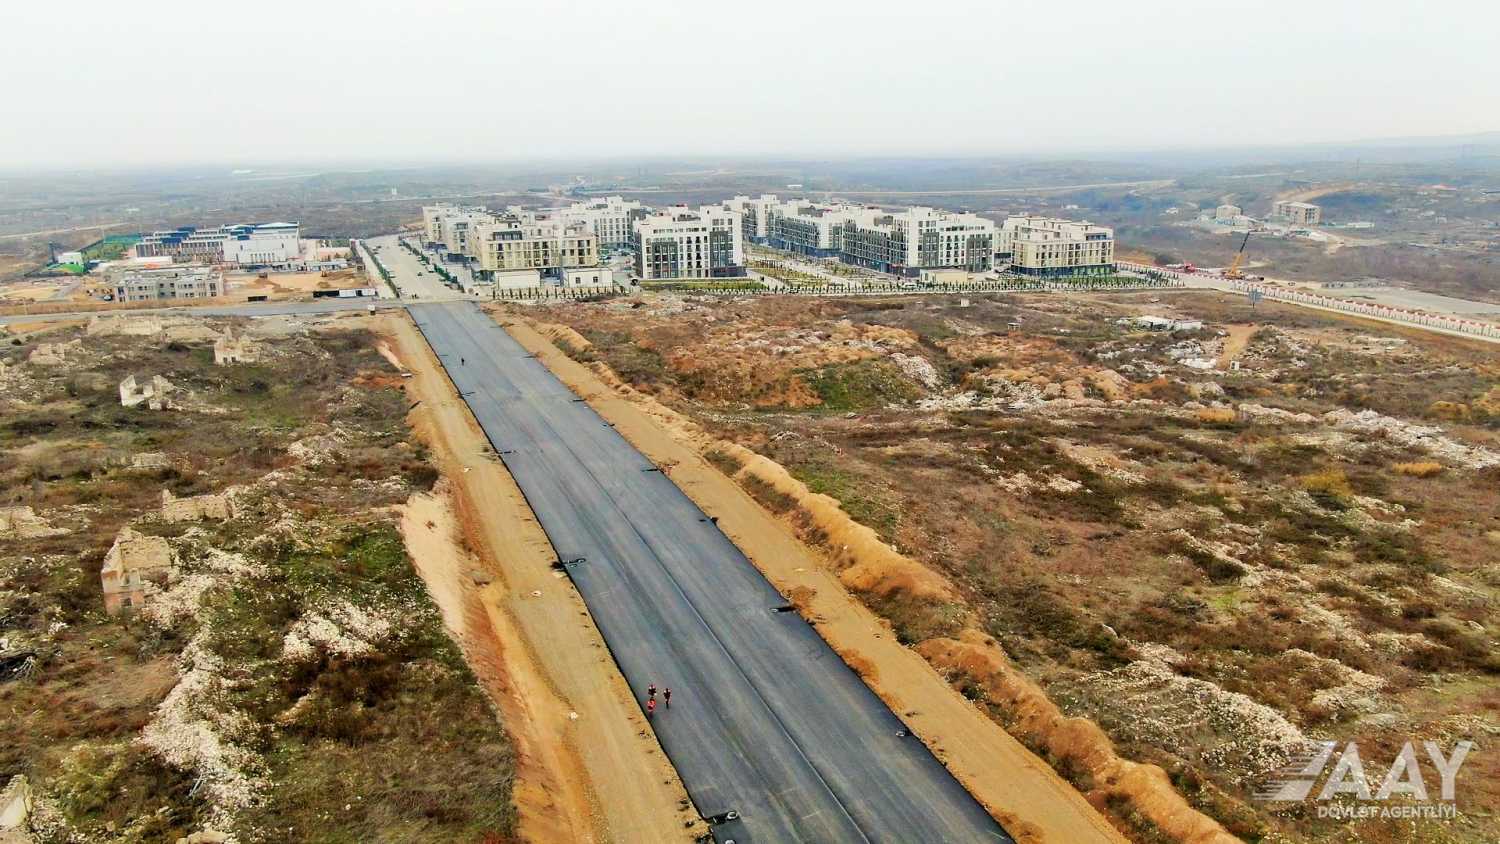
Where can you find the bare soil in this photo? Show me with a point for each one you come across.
(589, 769)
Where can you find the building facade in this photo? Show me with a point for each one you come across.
(523, 242)
(611, 219)
(1051, 247)
(170, 283)
(754, 227)
(1227, 212)
(1301, 213)
(903, 242)
(684, 243)
(242, 244)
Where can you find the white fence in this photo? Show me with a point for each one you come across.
(1409, 316)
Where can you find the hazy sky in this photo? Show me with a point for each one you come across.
(91, 83)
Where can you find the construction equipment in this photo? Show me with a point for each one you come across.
(1234, 270)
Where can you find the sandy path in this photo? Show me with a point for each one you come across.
(588, 769)
(1235, 343)
(1019, 789)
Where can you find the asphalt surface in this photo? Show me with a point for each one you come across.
(766, 720)
(412, 279)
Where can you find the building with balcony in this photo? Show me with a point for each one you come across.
(1051, 247)
(1298, 213)
(611, 219)
(753, 223)
(681, 242)
(519, 240)
(169, 283)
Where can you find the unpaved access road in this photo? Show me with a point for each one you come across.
(775, 737)
(588, 768)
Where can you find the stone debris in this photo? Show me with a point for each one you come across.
(318, 448)
(197, 507)
(134, 325)
(343, 630)
(15, 808)
(135, 567)
(53, 354)
(1147, 701)
(918, 369)
(193, 732)
(231, 348)
(1428, 438)
(22, 522)
(1261, 414)
(150, 460)
(153, 394)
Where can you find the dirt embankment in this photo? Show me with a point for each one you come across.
(587, 767)
(1018, 788)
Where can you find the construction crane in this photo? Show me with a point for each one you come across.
(1234, 270)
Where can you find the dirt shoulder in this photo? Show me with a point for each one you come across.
(1019, 789)
(587, 767)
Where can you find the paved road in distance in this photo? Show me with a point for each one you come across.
(766, 721)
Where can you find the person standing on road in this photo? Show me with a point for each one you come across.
(666, 697)
(650, 707)
(651, 691)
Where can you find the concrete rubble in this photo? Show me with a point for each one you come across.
(135, 566)
(53, 354)
(23, 523)
(15, 811)
(153, 394)
(126, 326)
(232, 348)
(197, 507)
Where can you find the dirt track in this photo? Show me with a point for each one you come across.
(1034, 807)
(587, 767)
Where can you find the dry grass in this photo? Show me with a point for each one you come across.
(1418, 469)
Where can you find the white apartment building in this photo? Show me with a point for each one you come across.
(520, 241)
(434, 215)
(680, 242)
(1301, 213)
(611, 219)
(1050, 246)
(243, 244)
(454, 229)
(172, 283)
(753, 222)
(1227, 212)
(807, 228)
(903, 242)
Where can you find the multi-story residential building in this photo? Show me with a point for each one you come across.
(1301, 213)
(611, 219)
(903, 242)
(753, 223)
(171, 283)
(244, 244)
(1048, 246)
(434, 215)
(454, 229)
(807, 228)
(680, 242)
(518, 240)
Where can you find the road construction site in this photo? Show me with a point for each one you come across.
(774, 736)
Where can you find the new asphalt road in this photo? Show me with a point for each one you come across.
(775, 737)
